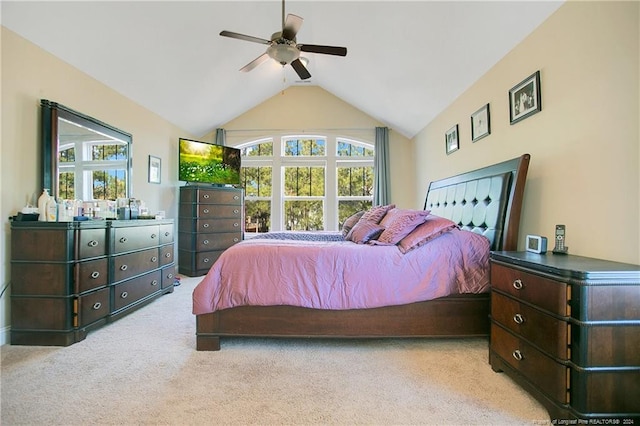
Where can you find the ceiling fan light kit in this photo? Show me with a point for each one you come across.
(283, 47)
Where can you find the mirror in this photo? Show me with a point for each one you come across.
(83, 158)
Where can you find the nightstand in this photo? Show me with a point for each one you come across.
(567, 329)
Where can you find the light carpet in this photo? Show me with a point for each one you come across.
(144, 370)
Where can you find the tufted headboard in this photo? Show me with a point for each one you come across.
(487, 201)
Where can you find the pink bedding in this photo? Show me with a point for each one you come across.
(342, 274)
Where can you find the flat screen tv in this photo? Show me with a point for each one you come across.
(207, 163)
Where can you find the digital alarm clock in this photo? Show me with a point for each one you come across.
(536, 244)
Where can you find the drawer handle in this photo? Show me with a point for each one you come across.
(206, 260)
(517, 355)
(518, 319)
(154, 282)
(124, 295)
(123, 268)
(166, 234)
(517, 284)
(206, 210)
(167, 255)
(235, 225)
(206, 225)
(153, 236)
(235, 197)
(97, 306)
(235, 240)
(236, 211)
(95, 274)
(205, 242)
(92, 243)
(205, 196)
(154, 258)
(169, 275)
(123, 239)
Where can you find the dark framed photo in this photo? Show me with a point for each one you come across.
(480, 123)
(155, 168)
(451, 140)
(525, 98)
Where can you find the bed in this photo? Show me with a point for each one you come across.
(487, 202)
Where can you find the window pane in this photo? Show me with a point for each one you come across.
(264, 149)
(66, 183)
(349, 207)
(304, 181)
(303, 215)
(346, 149)
(108, 152)
(256, 181)
(305, 147)
(355, 181)
(257, 216)
(108, 184)
(67, 156)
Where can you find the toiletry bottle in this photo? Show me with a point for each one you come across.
(52, 210)
(42, 205)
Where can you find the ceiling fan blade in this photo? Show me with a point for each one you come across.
(257, 61)
(327, 50)
(291, 26)
(300, 69)
(244, 37)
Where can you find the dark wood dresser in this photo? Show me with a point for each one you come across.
(211, 220)
(567, 329)
(70, 277)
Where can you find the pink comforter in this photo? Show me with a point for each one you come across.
(343, 275)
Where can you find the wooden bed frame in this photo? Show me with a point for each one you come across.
(452, 316)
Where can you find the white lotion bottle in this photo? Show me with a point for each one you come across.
(42, 205)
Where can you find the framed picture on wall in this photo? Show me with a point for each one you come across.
(155, 164)
(525, 98)
(480, 123)
(451, 140)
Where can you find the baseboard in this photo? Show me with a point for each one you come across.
(5, 335)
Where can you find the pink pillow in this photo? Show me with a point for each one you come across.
(433, 227)
(350, 222)
(398, 223)
(364, 231)
(375, 214)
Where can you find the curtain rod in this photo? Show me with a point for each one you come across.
(334, 129)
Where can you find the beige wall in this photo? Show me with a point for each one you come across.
(30, 74)
(584, 144)
(316, 111)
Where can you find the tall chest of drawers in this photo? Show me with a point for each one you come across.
(567, 329)
(68, 278)
(211, 220)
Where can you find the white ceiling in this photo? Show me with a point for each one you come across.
(406, 61)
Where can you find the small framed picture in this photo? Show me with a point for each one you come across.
(155, 165)
(480, 123)
(451, 140)
(525, 98)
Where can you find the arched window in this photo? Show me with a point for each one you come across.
(305, 182)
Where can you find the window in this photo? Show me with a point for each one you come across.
(305, 182)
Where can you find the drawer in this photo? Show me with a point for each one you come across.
(92, 243)
(168, 277)
(166, 234)
(211, 196)
(166, 254)
(550, 376)
(92, 274)
(135, 238)
(546, 332)
(210, 225)
(132, 264)
(129, 292)
(543, 292)
(93, 306)
(221, 241)
(210, 211)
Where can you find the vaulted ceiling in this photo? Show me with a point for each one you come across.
(406, 61)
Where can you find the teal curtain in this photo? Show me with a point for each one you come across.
(381, 186)
(221, 137)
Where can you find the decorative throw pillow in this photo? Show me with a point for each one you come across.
(350, 222)
(398, 223)
(433, 227)
(375, 214)
(364, 231)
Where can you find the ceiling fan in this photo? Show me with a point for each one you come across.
(284, 48)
